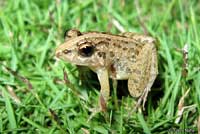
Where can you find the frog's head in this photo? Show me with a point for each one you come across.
(78, 50)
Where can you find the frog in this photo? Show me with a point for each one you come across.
(125, 56)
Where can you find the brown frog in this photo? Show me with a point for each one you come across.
(127, 56)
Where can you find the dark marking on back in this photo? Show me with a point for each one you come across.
(113, 69)
(103, 42)
(128, 70)
(117, 45)
(136, 71)
(135, 81)
(102, 54)
(112, 54)
(137, 52)
(125, 48)
(108, 39)
(125, 42)
(132, 57)
(131, 50)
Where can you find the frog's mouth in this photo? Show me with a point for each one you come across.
(71, 58)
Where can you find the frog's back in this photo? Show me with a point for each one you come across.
(122, 53)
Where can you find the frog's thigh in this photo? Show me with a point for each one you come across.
(144, 71)
(104, 82)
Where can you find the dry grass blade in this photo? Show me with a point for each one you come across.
(118, 25)
(184, 52)
(25, 80)
(13, 95)
(65, 77)
(140, 20)
(71, 86)
(85, 131)
(181, 107)
(55, 116)
(185, 60)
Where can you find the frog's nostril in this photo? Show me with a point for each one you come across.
(66, 51)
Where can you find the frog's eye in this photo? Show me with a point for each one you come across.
(86, 50)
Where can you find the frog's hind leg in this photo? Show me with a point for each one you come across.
(144, 72)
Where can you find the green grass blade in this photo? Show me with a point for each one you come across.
(9, 109)
(143, 123)
(41, 128)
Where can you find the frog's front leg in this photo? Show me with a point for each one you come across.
(105, 87)
(104, 92)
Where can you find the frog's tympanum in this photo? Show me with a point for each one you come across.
(127, 56)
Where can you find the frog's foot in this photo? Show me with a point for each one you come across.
(102, 103)
(142, 99)
(94, 112)
(102, 108)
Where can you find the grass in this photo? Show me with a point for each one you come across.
(34, 98)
